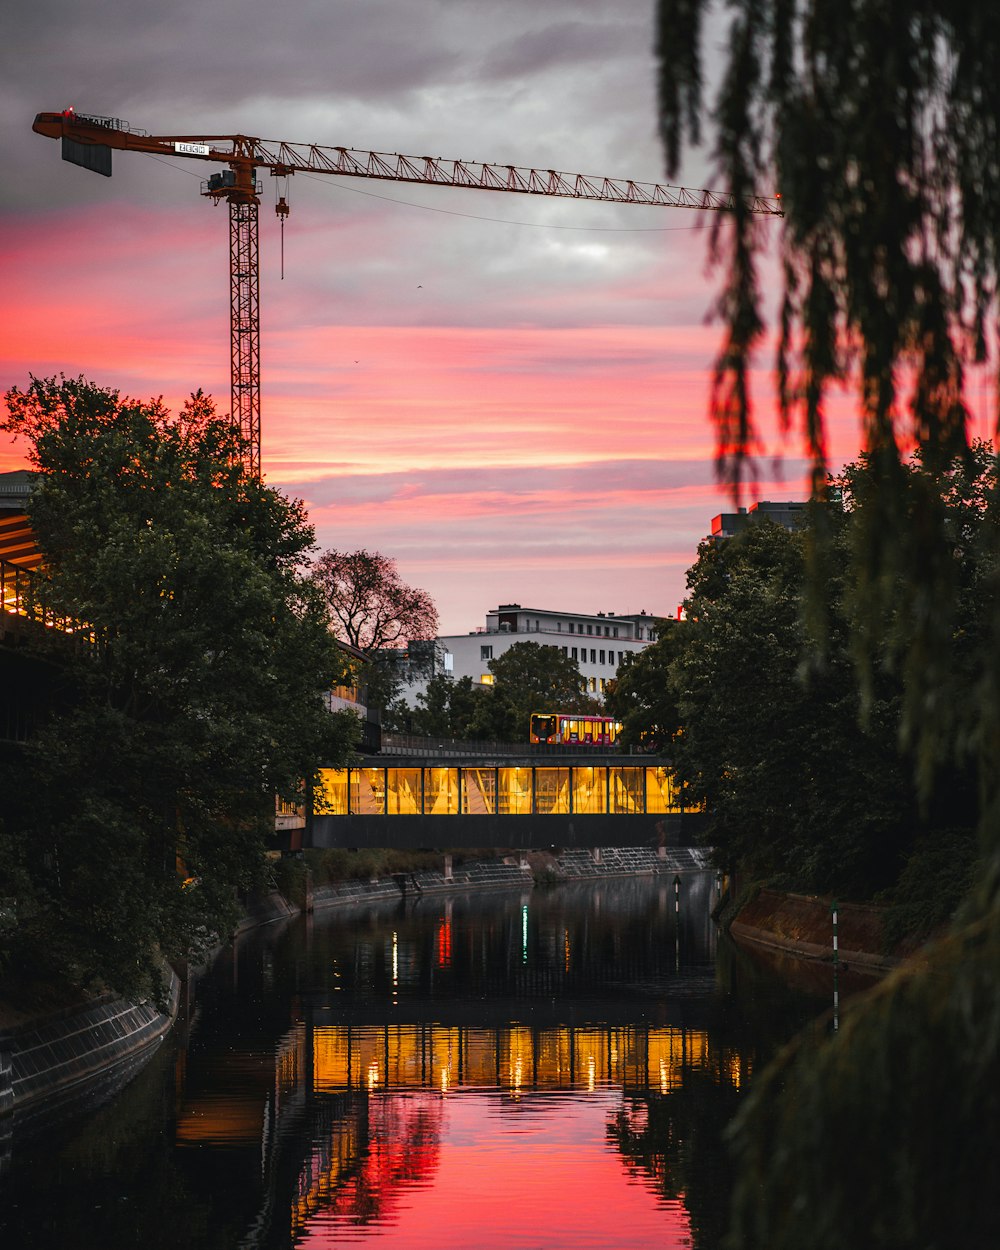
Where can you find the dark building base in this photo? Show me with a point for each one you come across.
(515, 832)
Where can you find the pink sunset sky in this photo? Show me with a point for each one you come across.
(507, 395)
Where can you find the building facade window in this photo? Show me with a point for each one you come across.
(486, 653)
(593, 655)
(574, 653)
(602, 657)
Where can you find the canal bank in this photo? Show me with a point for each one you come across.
(794, 934)
(78, 1056)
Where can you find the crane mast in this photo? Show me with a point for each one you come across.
(89, 140)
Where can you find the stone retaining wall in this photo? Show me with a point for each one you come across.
(59, 1054)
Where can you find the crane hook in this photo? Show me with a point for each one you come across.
(282, 209)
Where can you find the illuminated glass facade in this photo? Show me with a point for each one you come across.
(507, 790)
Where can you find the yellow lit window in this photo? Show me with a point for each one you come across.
(660, 790)
(589, 790)
(552, 791)
(402, 792)
(625, 794)
(441, 791)
(368, 791)
(479, 792)
(514, 791)
(330, 798)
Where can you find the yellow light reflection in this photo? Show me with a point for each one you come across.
(432, 1056)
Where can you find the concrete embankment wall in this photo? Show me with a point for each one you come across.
(53, 1058)
(802, 926)
(516, 873)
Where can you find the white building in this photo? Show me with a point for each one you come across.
(596, 643)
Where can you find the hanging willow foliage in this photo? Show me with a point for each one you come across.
(877, 122)
(878, 125)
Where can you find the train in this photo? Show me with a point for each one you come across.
(572, 729)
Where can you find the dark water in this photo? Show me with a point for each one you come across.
(553, 1069)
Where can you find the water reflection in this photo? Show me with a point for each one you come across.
(554, 1069)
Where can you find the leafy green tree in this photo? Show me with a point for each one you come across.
(528, 678)
(202, 699)
(642, 696)
(795, 785)
(447, 708)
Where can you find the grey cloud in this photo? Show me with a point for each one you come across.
(604, 477)
(565, 43)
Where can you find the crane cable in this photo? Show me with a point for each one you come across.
(282, 209)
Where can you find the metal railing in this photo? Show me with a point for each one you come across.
(413, 744)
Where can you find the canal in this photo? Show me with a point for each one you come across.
(552, 1068)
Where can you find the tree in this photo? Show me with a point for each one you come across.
(795, 785)
(370, 606)
(373, 609)
(446, 708)
(528, 678)
(642, 697)
(202, 699)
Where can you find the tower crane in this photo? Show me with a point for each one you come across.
(89, 140)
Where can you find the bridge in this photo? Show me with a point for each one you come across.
(521, 799)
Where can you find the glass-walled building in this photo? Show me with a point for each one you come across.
(500, 790)
(509, 803)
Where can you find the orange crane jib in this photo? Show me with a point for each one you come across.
(89, 140)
